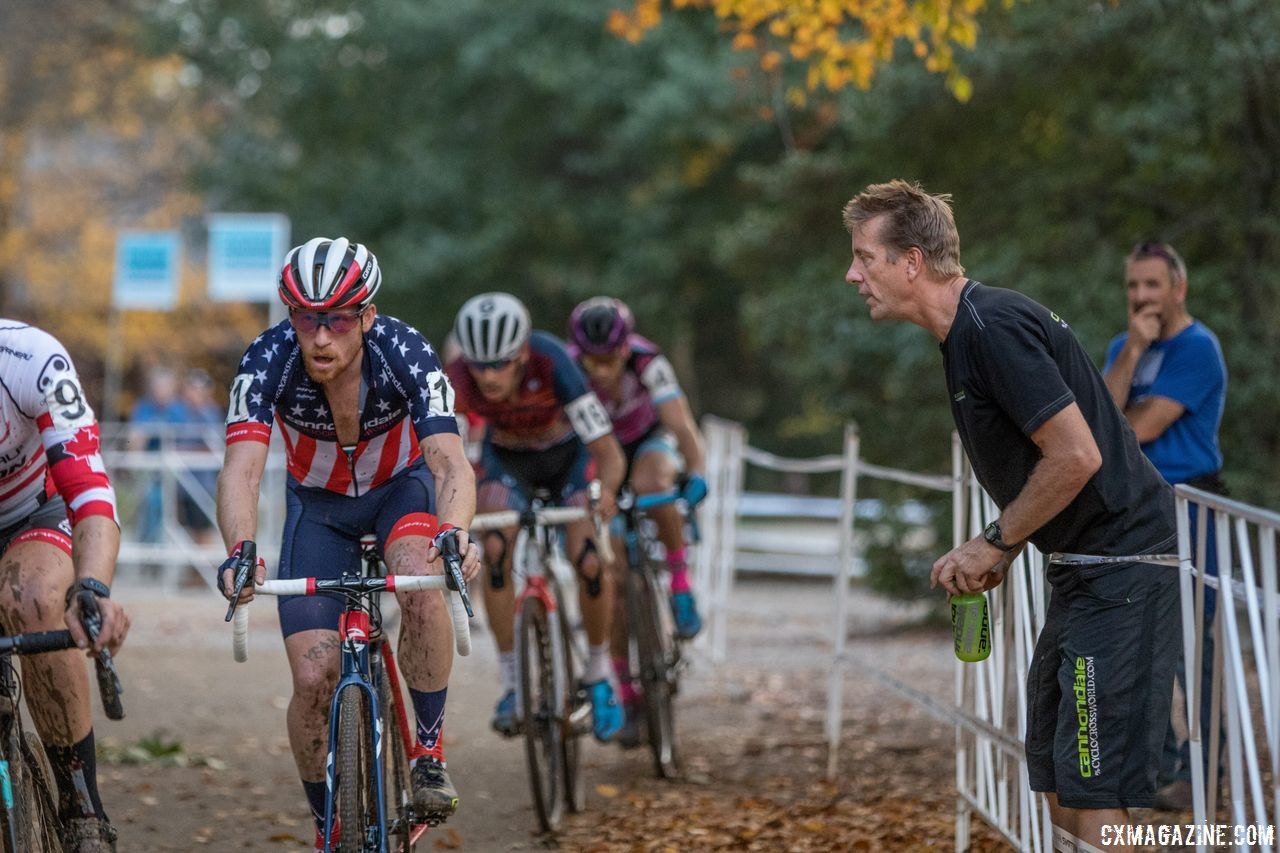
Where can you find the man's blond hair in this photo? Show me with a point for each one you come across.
(912, 217)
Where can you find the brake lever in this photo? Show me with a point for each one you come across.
(453, 571)
(244, 570)
(109, 685)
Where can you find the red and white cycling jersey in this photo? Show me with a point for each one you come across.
(49, 438)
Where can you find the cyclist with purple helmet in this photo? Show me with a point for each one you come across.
(659, 436)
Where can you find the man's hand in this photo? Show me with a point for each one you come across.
(1144, 326)
(976, 566)
(115, 625)
(226, 576)
(469, 550)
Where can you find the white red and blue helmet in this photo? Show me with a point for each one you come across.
(327, 275)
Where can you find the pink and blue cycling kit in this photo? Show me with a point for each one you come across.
(647, 381)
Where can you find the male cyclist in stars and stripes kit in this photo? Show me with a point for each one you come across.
(545, 429)
(59, 533)
(372, 446)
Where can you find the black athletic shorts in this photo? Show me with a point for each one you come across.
(1101, 683)
(49, 523)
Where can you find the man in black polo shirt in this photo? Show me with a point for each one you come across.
(1048, 444)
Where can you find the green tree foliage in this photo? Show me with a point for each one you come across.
(519, 146)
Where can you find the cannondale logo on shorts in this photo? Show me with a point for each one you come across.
(1086, 694)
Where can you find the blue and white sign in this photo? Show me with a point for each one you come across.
(147, 270)
(245, 254)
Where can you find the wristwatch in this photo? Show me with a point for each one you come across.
(994, 535)
(93, 585)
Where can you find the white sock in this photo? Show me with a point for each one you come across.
(599, 666)
(507, 667)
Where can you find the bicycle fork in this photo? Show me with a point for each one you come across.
(536, 587)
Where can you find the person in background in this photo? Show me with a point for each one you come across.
(198, 432)
(1049, 446)
(151, 423)
(1167, 375)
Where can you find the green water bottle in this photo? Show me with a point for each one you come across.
(971, 626)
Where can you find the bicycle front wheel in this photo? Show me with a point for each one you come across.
(357, 799)
(655, 651)
(543, 734)
(33, 816)
(396, 786)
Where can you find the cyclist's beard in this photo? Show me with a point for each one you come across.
(326, 365)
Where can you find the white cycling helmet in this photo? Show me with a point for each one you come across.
(324, 274)
(492, 327)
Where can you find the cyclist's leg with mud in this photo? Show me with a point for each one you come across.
(313, 656)
(310, 547)
(426, 661)
(35, 572)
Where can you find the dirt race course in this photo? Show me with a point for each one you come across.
(202, 760)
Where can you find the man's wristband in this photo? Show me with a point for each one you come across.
(93, 585)
(444, 528)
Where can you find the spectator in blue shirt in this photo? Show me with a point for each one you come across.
(1167, 374)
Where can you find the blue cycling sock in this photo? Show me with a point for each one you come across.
(429, 708)
(315, 799)
(75, 769)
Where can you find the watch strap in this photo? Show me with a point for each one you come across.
(93, 585)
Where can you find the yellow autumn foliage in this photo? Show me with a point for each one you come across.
(842, 42)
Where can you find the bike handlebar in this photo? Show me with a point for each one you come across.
(459, 609)
(550, 516)
(37, 642)
(41, 642)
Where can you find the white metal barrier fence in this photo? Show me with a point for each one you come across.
(990, 703)
(991, 775)
(163, 476)
(717, 561)
(1245, 687)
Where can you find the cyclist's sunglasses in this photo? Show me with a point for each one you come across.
(498, 364)
(338, 322)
